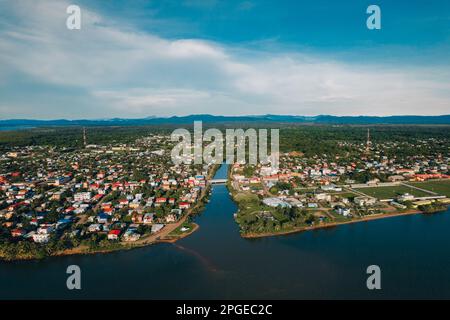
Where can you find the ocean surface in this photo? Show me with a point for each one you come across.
(413, 253)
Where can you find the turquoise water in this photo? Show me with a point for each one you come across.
(215, 262)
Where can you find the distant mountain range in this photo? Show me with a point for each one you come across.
(207, 118)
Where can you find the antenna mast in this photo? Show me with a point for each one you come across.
(84, 137)
(368, 143)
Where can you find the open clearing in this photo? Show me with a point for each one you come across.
(439, 186)
(391, 192)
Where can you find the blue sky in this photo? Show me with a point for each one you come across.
(141, 58)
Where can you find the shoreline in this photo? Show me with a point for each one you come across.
(164, 236)
(150, 239)
(74, 251)
(173, 239)
(377, 216)
(330, 225)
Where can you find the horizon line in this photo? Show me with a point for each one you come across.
(153, 117)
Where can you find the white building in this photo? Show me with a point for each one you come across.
(331, 187)
(45, 229)
(41, 237)
(156, 227)
(405, 197)
(364, 201)
(82, 196)
(323, 197)
(275, 202)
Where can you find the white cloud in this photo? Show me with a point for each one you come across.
(138, 101)
(127, 72)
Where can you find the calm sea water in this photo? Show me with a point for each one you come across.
(215, 262)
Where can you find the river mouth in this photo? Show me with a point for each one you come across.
(215, 262)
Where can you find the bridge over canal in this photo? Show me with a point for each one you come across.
(218, 181)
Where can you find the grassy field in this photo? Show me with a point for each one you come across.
(391, 192)
(339, 218)
(246, 197)
(304, 190)
(345, 194)
(177, 231)
(442, 187)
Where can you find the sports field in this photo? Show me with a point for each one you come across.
(391, 192)
(439, 186)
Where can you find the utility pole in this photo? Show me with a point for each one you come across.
(84, 137)
(368, 143)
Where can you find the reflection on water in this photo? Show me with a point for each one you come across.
(215, 262)
(205, 262)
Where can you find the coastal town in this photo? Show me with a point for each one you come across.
(88, 198)
(97, 198)
(321, 191)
